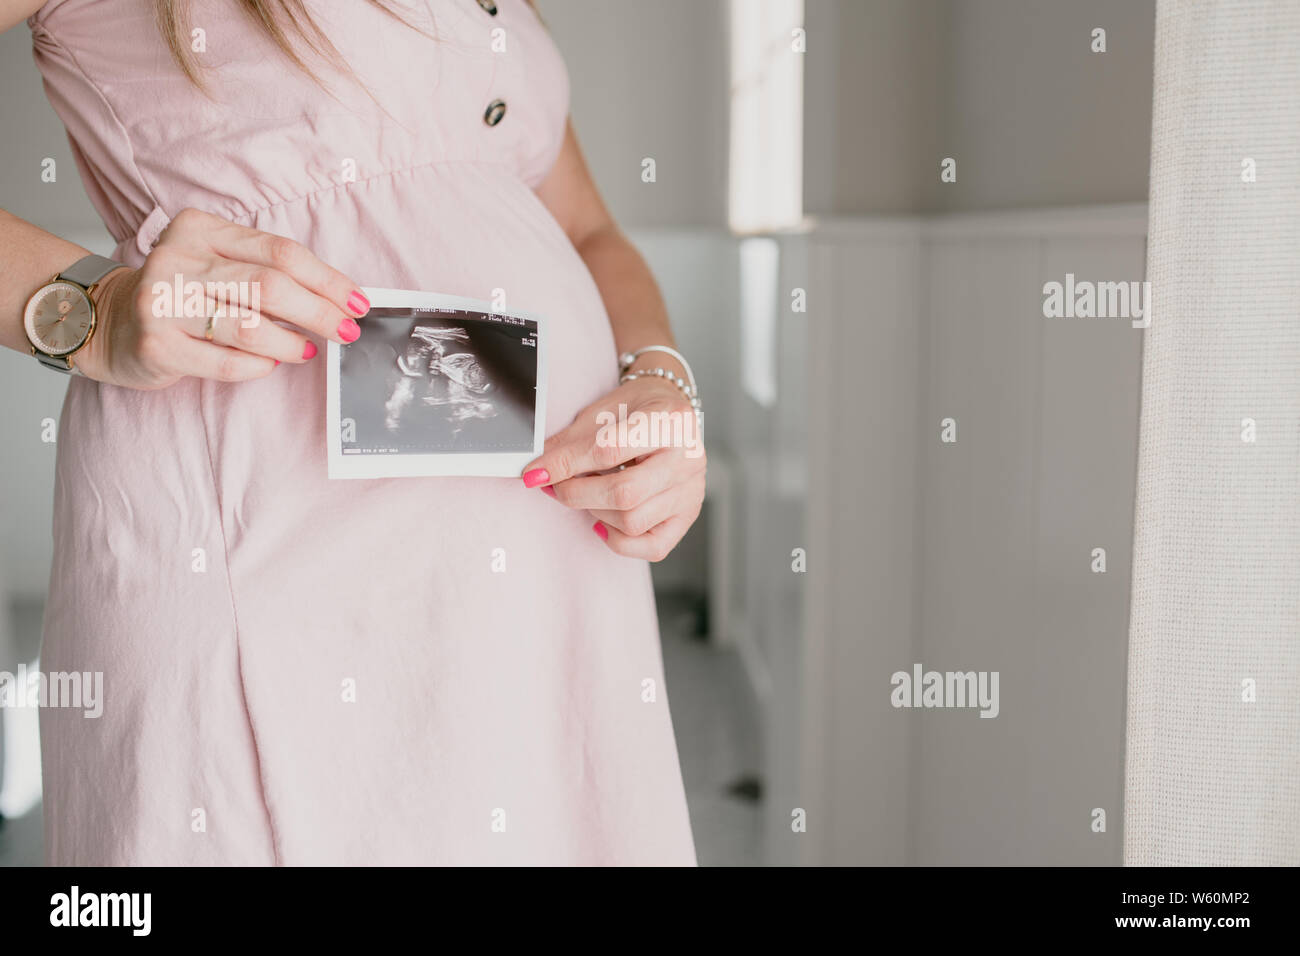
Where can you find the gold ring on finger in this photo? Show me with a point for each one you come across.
(210, 329)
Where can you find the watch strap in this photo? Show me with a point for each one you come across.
(60, 363)
(86, 271)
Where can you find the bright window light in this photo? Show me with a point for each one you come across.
(766, 156)
(20, 774)
(760, 268)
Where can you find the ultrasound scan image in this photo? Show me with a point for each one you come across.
(433, 381)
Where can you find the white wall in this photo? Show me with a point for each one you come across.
(650, 80)
(1035, 118)
(1043, 472)
(857, 613)
(1008, 88)
(873, 105)
(34, 133)
(967, 556)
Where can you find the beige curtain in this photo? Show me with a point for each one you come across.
(1213, 755)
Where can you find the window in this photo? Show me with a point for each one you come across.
(766, 152)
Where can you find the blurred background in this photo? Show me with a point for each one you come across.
(839, 299)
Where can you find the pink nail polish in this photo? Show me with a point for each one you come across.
(538, 476)
(309, 351)
(277, 362)
(549, 490)
(358, 303)
(349, 331)
(601, 531)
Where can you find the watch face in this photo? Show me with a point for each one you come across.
(58, 318)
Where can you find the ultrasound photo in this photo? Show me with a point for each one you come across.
(446, 387)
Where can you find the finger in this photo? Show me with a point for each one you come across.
(650, 513)
(624, 490)
(283, 254)
(200, 359)
(575, 451)
(654, 545)
(338, 300)
(278, 295)
(235, 327)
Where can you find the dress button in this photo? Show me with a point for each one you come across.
(489, 6)
(496, 111)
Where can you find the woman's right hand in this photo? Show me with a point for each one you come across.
(138, 343)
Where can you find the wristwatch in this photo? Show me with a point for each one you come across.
(60, 315)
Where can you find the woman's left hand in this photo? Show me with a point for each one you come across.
(648, 426)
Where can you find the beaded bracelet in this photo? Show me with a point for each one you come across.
(627, 358)
(686, 386)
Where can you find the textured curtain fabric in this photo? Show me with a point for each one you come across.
(1213, 755)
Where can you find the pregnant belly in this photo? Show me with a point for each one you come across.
(255, 451)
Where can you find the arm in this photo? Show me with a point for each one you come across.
(646, 493)
(143, 341)
(13, 12)
(30, 254)
(31, 257)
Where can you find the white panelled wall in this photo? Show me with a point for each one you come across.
(1042, 474)
(975, 555)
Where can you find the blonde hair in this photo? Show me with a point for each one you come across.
(284, 21)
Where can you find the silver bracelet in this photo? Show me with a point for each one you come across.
(686, 385)
(627, 358)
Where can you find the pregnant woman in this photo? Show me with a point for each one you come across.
(305, 671)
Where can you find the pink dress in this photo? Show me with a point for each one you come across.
(305, 671)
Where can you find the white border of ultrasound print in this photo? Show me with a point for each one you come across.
(468, 464)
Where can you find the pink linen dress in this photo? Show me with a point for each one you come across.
(305, 671)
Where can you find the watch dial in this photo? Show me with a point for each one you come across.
(58, 318)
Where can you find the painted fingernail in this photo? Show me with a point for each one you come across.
(549, 490)
(538, 476)
(601, 531)
(349, 331)
(277, 362)
(358, 303)
(309, 351)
